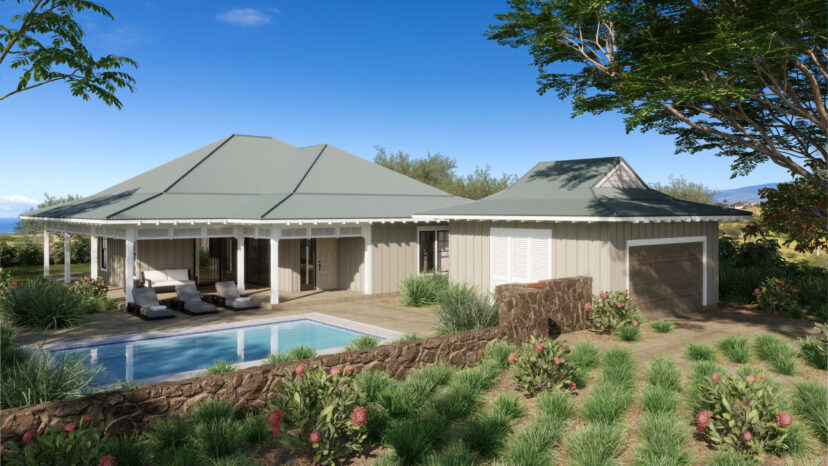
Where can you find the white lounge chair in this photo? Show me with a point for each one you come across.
(191, 302)
(232, 299)
(147, 306)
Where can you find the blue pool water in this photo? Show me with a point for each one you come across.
(166, 356)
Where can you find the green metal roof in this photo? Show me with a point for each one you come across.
(568, 188)
(258, 178)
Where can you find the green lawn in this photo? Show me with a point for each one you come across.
(25, 272)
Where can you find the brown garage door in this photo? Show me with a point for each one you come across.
(666, 279)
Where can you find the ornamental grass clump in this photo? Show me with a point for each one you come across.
(776, 353)
(423, 289)
(735, 348)
(814, 349)
(318, 411)
(462, 308)
(696, 352)
(810, 401)
(630, 332)
(219, 367)
(294, 354)
(362, 342)
(40, 376)
(662, 326)
(743, 413)
(610, 310)
(45, 305)
(543, 364)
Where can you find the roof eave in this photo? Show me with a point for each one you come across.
(578, 219)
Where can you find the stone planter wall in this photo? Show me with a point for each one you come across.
(526, 310)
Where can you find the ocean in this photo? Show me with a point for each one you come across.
(7, 224)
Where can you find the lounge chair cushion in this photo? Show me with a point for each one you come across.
(199, 307)
(227, 290)
(189, 294)
(240, 303)
(153, 312)
(182, 275)
(145, 297)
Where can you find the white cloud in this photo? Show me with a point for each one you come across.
(13, 205)
(244, 17)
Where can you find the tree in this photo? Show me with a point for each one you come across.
(790, 209)
(438, 170)
(32, 227)
(745, 78)
(680, 188)
(47, 47)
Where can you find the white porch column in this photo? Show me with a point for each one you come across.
(368, 287)
(129, 264)
(93, 257)
(275, 235)
(67, 258)
(240, 259)
(45, 253)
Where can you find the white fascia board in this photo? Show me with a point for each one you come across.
(311, 221)
(577, 219)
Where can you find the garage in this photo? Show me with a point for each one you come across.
(520, 255)
(667, 276)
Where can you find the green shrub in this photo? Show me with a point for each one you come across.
(662, 372)
(218, 437)
(610, 310)
(254, 429)
(737, 283)
(700, 352)
(480, 377)
(735, 348)
(294, 354)
(8, 258)
(42, 377)
(742, 413)
(776, 295)
(211, 410)
(321, 411)
(463, 308)
(810, 400)
(372, 383)
(455, 454)
(10, 354)
(362, 342)
(543, 364)
(412, 438)
(168, 434)
(91, 288)
(74, 443)
(628, 332)
(28, 253)
(423, 289)
(485, 434)
(499, 352)
(410, 336)
(814, 350)
(662, 326)
(128, 449)
(45, 305)
(80, 251)
(776, 352)
(219, 367)
(595, 444)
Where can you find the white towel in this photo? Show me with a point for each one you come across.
(158, 308)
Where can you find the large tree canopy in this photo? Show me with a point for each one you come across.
(744, 78)
(45, 43)
(438, 170)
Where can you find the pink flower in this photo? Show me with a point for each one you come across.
(572, 386)
(762, 376)
(750, 379)
(70, 289)
(107, 460)
(756, 292)
(359, 416)
(748, 436)
(512, 358)
(619, 305)
(715, 377)
(349, 368)
(300, 370)
(274, 417)
(587, 306)
(558, 362)
(703, 420)
(635, 323)
(564, 344)
(605, 296)
(15, 282)
(335, 370)
(784, 419)
(315, 437)
(87, 418)
(540, 346)
(276, 430)
(70, 427)
(28, 437)
(780, 282)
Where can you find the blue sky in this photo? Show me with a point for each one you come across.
(412, 76)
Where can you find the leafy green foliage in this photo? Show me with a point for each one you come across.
(463, 308)
(45, 305)
(73, 443)
(221, 366)
(741, 412)
(814, 350)
(696, 352)
(735, 348)
(439, 171)
(64, 57)
(10, 354)
(128, 449)
(41, 376)
(423, 289)
(662, 326)
(362, 342)
(778, 296)
(254, 429)
(610, 310)
(810, 400)
(776, 352)
(543, 364)
(294, 354)
(628, 332)
(320, 411)
(795, 210)
(680, 188)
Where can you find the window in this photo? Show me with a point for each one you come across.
(520, 255)
(432, 245)
(103, 256)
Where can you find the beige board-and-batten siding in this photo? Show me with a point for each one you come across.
(154, 254)
(598, 250)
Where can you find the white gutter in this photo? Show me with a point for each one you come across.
(148, 222)
(577, 219)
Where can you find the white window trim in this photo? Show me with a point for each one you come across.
(435, 229)
(676, 240)
(103, 260)
(510, 232)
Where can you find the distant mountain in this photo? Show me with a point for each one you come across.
(747, 194)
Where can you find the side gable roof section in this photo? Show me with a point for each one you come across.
(598, 189)
(257, 179)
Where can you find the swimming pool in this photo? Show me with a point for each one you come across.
(172, 355)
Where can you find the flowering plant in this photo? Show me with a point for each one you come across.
(610, 310)
(541, 364)
(742, 412)
(74, 443)
(318, 411)
(88, 287)
(777, 295)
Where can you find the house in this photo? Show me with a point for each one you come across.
(260, 211)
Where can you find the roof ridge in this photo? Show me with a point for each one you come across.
(297, 184)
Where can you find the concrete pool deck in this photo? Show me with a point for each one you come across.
(380, 311)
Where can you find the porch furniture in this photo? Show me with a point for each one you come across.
(191, 302)
(231, 299)
(166, 279)
(146, 305)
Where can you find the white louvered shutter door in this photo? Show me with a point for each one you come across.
(500, 257)
(541, 255)
(521, 258)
